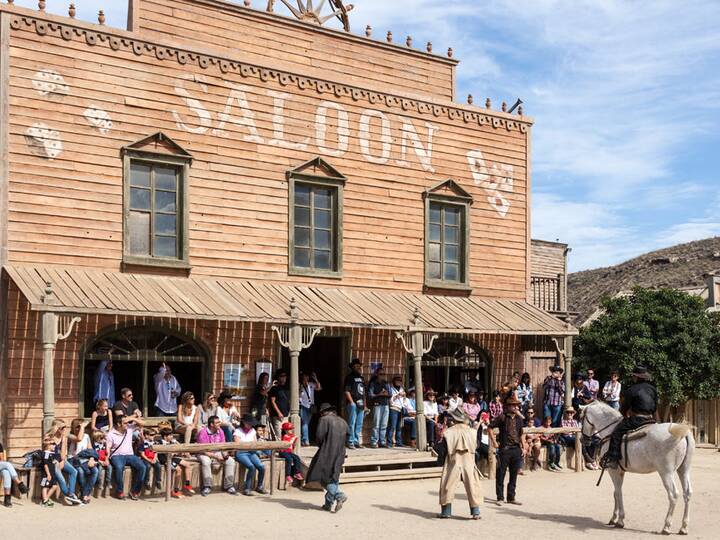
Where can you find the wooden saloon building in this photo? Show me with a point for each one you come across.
(222, 186)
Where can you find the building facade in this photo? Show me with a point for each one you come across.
(197, 188)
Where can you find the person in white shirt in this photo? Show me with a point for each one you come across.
(249, 458)
(167, 390)
(611, 391)
(455, 400)
(431, 414)
(308, 386)
(410, 412)
(395, 423)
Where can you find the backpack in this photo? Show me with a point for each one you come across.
(32, 459)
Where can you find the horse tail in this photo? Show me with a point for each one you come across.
(679, 431)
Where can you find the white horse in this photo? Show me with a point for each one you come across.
(666, 448)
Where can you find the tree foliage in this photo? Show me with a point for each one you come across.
(668, 331)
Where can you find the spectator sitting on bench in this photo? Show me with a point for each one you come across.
(533, 440)
(9, 477)
(553, 448)
(213, 434)
(293, 465)
(119, 446)
(483, 446)
(249, 459)
(149, 458)
(180, 466)
(568, 440)
(104, 467)
(409, 412)
(261, 432)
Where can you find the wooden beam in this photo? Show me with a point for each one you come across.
(4, 132)
(220, 447)
(133, 21)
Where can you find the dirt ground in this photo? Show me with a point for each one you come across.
(556, 505)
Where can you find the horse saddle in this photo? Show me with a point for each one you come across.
(634, 435)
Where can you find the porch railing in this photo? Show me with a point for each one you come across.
(548, 293)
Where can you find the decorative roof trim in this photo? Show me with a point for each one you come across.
(140, 47)
(158, 137)
(331, 172)
(452, 185)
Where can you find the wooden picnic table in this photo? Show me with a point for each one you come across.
(171, 449)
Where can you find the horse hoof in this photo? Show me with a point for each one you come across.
(682, 532)
(665, 532)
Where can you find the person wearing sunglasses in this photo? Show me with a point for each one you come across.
(126, 405)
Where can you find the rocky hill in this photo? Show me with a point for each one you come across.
(684, 265)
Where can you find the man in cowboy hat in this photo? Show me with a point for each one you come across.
(327, 463)
(460, 441)
(639, 406)
(511, 446)
(554, 388)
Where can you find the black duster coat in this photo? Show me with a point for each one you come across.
(327, 463)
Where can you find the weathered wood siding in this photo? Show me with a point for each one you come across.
(260, 37)
(547, 259)
(227, 342)
(66, 208)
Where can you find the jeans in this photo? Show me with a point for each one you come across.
(67, 488)
(410, 421)
(293, 464)
(8, 474)
(228, 431)
(277, 422)
(157, 467)
(394, 429)
(138, 472)
(251, 462)
(380, 425)
(355, 423)
(305, 417)
(614, 404)
(105, 475)
(554, 412)
(332, 494)
(430, 429)
(206, 471)
(87, 477)
(554, 452)
(509, 458)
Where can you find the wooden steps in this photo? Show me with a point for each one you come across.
(392, 474)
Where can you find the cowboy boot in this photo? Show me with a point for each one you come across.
(475, 512)
(445, 511)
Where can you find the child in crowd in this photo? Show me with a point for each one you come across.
(149, 459)
(292, 460)
(553, 447)
(496, 405)
(104, 466)
(532, 440)
(483, 441)
(101, 418)
(262, 435)
(47, 472)
(455, 400)
(179, 465)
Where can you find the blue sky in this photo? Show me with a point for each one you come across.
(625, 96)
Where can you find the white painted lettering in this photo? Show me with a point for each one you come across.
(494, 178)
(204, 117)
(385, 137)
(238, 93)
(278, 120)
(424, 153)
(343, 129)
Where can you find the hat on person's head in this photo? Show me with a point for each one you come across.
(459, 416)
(579, 376)
(569, 410)
(287, 426)
(355, 362)
(556, 368)
(326, 407)
(248, 419)
(641, 372)
(484, 416)
(430, 392)
(512, 400)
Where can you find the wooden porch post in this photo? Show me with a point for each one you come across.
(567, 353)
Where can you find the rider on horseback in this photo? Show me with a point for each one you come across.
(639, 406)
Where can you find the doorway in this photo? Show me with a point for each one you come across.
(453, 361)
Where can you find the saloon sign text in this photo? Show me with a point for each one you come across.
(331, 135)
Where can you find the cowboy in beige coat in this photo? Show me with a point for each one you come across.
(461, 442)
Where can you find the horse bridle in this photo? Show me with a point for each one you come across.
(597, 432)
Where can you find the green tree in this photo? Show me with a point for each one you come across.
(668, 331)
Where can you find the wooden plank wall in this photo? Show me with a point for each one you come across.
(328, 54)
(547, 258)
(68, 209)
(228, 343)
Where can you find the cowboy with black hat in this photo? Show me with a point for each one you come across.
(510, 443)
(639, 406)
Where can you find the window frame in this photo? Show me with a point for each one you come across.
(183, 163)
(463, 201)
(336, 183)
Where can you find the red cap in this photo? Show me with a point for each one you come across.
(287, 426)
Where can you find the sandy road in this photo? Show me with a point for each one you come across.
(556, 505)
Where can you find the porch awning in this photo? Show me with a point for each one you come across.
(79, 290)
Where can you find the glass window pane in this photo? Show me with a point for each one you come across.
(434, 233)
(452, 272)
(452, 216)
(165, 224)
(165, 246)
(451, 254)
(302, 257)
(434, 252)
(322, 239)
(434, 213)
(166, 178)
(434, 270)
(165, 201)
(139, 174)
(322, 260)
(323, 198)
(302, 216)
(139, 232)
(139, 199)
(302, 236)
(452, 235)
(302, 195)
(323, 219)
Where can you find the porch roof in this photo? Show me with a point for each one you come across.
(81, 290)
